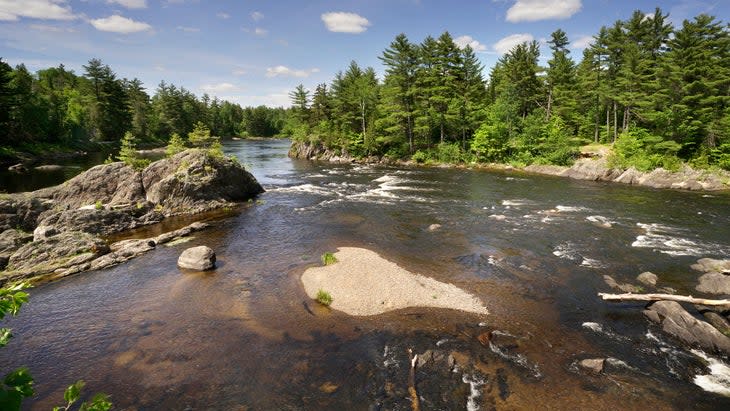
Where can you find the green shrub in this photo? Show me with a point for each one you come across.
(98, 205)
(328, 258)
(324, 298)
(128, 153)
(175, 145)
(644, 151)
(420, 157)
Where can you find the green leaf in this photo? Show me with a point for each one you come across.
(21, 381)
(100, 402)
(5, 335)
(73, 392)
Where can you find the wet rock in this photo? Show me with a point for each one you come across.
(718, 321)
(18, 168)
(708, 265)
(49, 167)
(714, 283)
(647, 278)
(60, 251)
(677, 322)
(328, 387)
(593, 364)
(434, 227)
(199, 258)
(623, 287)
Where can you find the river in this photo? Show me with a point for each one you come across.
(533, 248)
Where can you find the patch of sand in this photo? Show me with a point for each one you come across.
(362, 283)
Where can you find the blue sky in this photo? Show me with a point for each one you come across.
(255, 51)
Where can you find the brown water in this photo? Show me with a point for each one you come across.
(245, 336)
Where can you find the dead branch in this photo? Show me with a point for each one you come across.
(663, 297)
(415, 403)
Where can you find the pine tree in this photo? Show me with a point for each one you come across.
(300, 103)
(560, 78)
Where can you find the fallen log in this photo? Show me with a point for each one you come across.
(415, 402)
(663, 297)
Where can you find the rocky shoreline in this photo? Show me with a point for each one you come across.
(593, 169)
(58, 231)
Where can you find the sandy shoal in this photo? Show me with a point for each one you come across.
(362, 283)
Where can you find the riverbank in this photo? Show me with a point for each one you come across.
(57, 231)
(592, 168)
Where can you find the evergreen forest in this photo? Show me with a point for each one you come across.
(658, 95)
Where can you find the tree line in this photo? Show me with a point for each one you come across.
(658, 94)
(57, 107)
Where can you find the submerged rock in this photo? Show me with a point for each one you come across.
(199, 258)
(624, 287)
(676, 321)
(708, 265)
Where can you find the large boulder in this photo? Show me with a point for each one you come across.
(10, 241)
(114, 183)
(101, 222)
(199, 258)
(195, 180)
(21, 211)
(714, 283)
(676, 321)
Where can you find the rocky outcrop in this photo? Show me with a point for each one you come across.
(199, 258)
(599, 170)
(190, 182)
(10, 241)
(67, 219)
(677, 322)
(317, 151)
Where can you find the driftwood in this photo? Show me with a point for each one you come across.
(663, 297)
(415, 403)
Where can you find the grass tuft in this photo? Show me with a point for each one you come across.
(324, 298)
(328, 258)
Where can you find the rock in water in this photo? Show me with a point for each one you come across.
(681, 324)
(647, 278)
(593, 364)
(197, 258)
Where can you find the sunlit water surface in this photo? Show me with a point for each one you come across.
(246, 336)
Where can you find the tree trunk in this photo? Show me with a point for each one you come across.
(663, 297)
(615, 121)
(608, 122)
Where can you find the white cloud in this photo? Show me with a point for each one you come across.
(284, 71)
(239, 72)
(463, 41)
(12, 10)
(223, 16)
(51, 29)
(506, 44)
(257, 16)
(260, 32)
(581, 42)
(119, 24)
(219, 88)
(188, 29)
(130, 4)
(535, 10)
(341, 22)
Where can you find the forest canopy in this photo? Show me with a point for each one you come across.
(659, 94)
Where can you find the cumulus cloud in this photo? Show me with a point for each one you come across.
(239, 72)
(463, 41)
(257, 16)
(130, 4)
(581, 42)
(506, 44)
(341, 22)
(283, 71)
(535, 10)
(219, 88)
(260, 32)
(223, 16)
(12, 10)
(119, 24)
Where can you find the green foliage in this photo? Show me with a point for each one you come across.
(98, 205)
(15, 386)
(200, 138)
(328, 258)
(324, 298)
(11, 299)
(175, 145)
(100, 402)
(644, 151)
(128, 153)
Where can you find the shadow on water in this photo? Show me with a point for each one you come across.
(245, 336)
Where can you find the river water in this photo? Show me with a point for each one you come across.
(245, 336)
